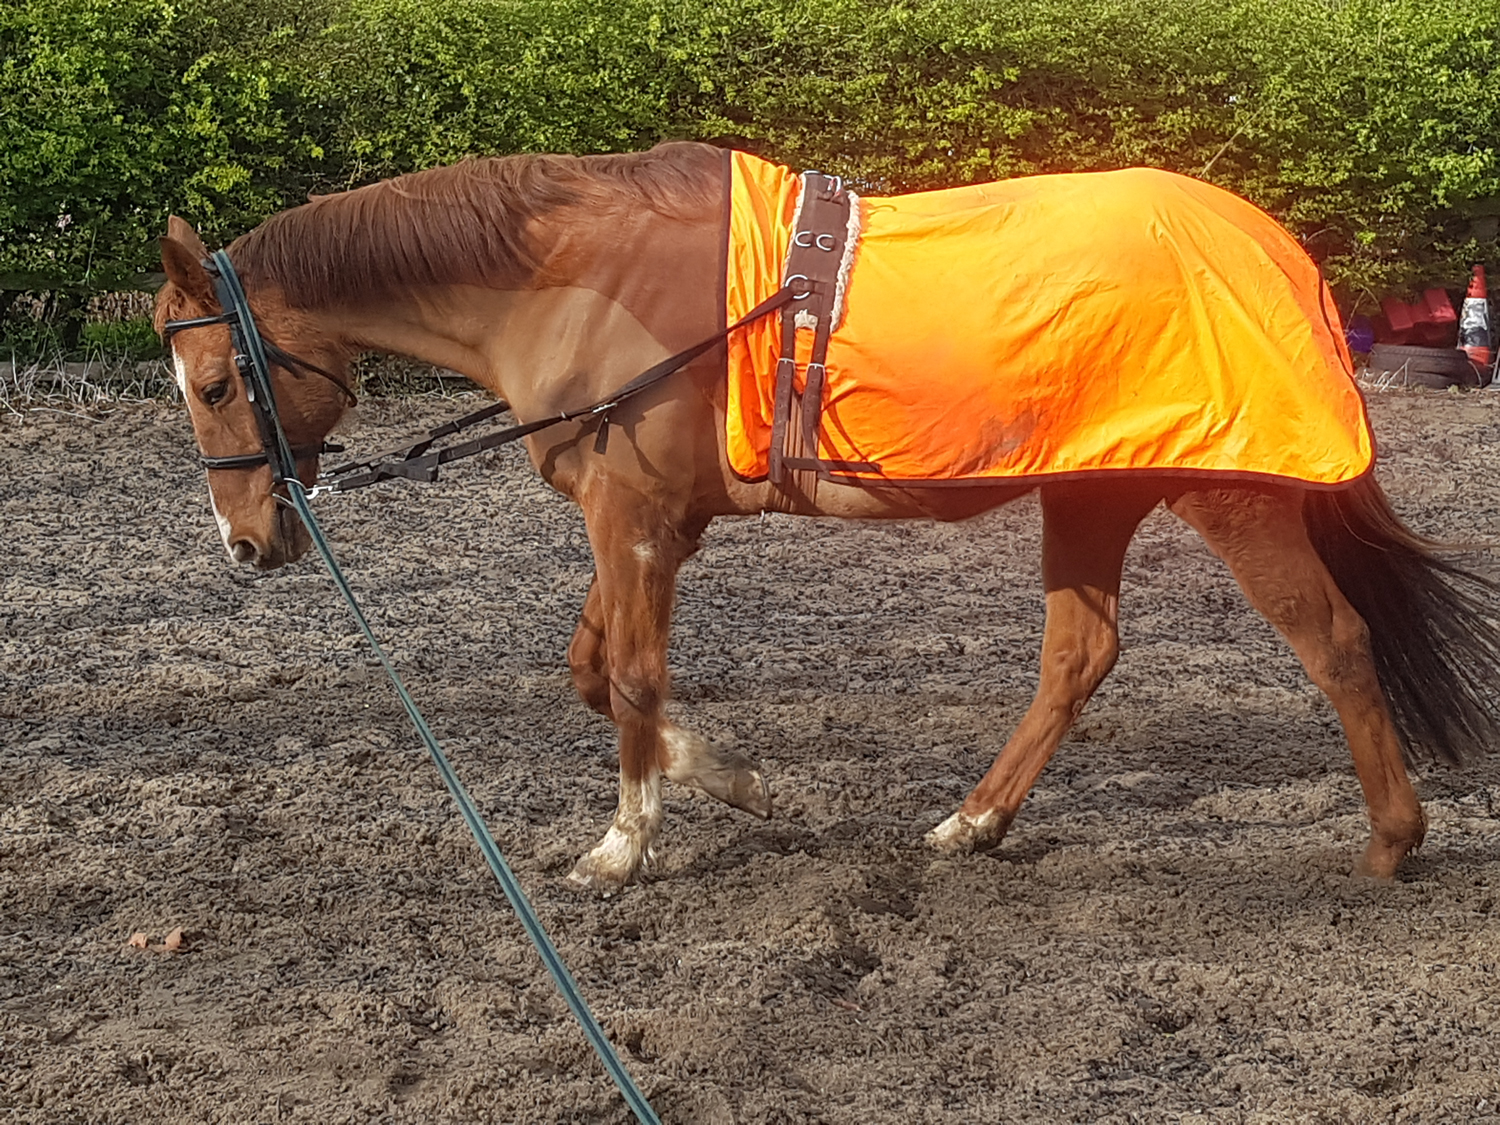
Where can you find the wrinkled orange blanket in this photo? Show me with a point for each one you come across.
(1052, 325)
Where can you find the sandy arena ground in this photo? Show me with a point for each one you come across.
(1169, 934)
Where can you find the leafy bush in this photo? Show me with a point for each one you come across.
(135, 338)
(1368, 126)
(117, 113)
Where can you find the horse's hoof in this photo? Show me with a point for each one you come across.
(753, 794)
(723, 774)
(585, 878)
(961, 834)
(591, 877)
(1390, 843)
(1380, 861)
(609, 867)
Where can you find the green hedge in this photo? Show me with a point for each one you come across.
(1369, 126)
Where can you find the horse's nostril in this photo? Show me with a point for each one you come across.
(243, 551)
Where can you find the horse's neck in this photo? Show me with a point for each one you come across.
(543, 350)
(611, 304)
(425, 330)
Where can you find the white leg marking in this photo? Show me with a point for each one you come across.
(960, 833)
(724, 774)
(629, 843)
(685, 750)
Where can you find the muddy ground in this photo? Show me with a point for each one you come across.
(1170, 933)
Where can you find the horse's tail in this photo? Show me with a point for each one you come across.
(1434, 626)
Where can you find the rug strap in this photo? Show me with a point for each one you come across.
(824, 230)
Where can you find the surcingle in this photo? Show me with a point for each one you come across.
(1052, 325)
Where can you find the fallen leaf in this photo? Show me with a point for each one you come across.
(173, 941)
(139, 941)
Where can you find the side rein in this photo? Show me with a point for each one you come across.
(810, 284)
(254, 356)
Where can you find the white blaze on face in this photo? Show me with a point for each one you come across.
(221, 521)
(181, 371)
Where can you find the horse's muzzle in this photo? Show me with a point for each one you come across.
(290, 541)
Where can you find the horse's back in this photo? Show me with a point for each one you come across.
(1115, 240)
(1132, 320)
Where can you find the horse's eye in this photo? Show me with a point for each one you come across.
(214, 393)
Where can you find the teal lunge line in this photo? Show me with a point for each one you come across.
(518, 901)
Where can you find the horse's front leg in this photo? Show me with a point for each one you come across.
(588, 658)
(630, 604)
(618, 658)
(681, 755)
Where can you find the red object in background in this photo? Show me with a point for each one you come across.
(1394, 324)
(1474, 329)
(1428, 322)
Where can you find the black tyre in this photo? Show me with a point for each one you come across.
(1427, 367)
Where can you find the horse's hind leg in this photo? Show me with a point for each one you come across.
(1086, 528)
(1261, 535)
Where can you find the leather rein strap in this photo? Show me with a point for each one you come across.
(415, 462)
(254, 356)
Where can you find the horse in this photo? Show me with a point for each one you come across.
(551, 280)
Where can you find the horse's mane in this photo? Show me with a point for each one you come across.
(463, 224)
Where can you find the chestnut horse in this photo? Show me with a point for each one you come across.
(552, 280)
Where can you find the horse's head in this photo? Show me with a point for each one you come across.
(255, 527)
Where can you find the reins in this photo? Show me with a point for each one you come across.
(811, 271)
(253, 357)
(415, 462)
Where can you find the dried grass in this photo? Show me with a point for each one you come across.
(96, 382)
(105, 380)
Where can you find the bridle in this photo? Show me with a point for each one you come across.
(254, 356)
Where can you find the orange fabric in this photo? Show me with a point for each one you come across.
(1055, 324)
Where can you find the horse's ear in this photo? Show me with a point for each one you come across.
(184, 269)
(182, 231)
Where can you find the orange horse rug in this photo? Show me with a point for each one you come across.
(1051, 326)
